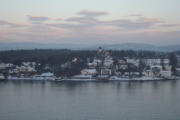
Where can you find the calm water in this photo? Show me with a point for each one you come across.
(27, 100)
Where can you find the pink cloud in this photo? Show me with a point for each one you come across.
(10, 24)
(86, 26)
(92, 13)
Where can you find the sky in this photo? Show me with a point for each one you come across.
(90, 21)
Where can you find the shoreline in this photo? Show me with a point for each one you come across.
(93, 79)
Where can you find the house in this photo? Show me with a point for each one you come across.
(108, 62)
(92, 65)
(117, 73)
(31, 69)
(26, 69)
(121, 62)
(178, 71)
(122, 67)
(131, 74)
(9, 65)
(95, 63)
(157, 71)
(166, 62)
(76, 59)
(26, 63)
(166, 73)
(150, 62)
(133, 61)
(126, 74)
(154, 71)
(106, 71)
(134, 74)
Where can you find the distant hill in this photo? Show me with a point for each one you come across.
(26, 45)
(138, 46)
(124, 46)
(131, 46)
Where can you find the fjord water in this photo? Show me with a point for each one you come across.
(38, 100)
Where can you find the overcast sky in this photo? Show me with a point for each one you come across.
(90, 21)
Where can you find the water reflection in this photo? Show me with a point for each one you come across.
(130, 86)
(109, 100)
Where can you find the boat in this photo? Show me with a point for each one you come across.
(81, 78)
(118, 78)
(58, 79)
(103, 77)
(2, 77)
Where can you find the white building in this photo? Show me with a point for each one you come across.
(154, 71)
(133, 61)
(178, 71)
(106, 72)
(166, 73)
(108, 62)
(157, 71)
(97, 61)
(33, 64)
(121, 61)
(151, 62)
(121, 67)
(94, 63)
(9, 65)
(19, 69)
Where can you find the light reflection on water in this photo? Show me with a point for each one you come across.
(113, 100)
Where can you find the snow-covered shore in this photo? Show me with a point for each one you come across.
(137, 79)
(113, 78)
(34, 78)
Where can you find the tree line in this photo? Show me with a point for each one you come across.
(57, 57)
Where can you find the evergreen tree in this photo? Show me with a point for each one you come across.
(162, 64)
(142, 66)
(173, 62)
